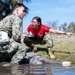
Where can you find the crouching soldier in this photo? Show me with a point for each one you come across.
(10, 35)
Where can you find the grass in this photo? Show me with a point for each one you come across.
(64, 48)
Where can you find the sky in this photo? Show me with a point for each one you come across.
(50, 11)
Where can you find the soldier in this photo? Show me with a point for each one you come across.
(11, 25)
(38, 33)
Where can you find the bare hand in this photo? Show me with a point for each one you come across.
(69, 34)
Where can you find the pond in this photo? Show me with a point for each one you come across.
(45, 69)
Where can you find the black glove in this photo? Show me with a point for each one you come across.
(26, 39)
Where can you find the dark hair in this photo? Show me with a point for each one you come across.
(38, 19)
(20, 5)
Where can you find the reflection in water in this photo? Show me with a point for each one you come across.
(26, 69)
(16, 70)
(4, 70)
(30, 70)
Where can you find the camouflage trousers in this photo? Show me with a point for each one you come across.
(46, 40)
(15, 51)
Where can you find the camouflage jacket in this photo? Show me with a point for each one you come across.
(12, 25)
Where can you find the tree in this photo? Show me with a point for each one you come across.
(63, 27)
(7, 5)
(71, 27)
(53, 25)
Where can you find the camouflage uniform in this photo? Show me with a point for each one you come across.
(12, 25)
(46, 40)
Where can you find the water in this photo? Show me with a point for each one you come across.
(45, 69)
(60, 70)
